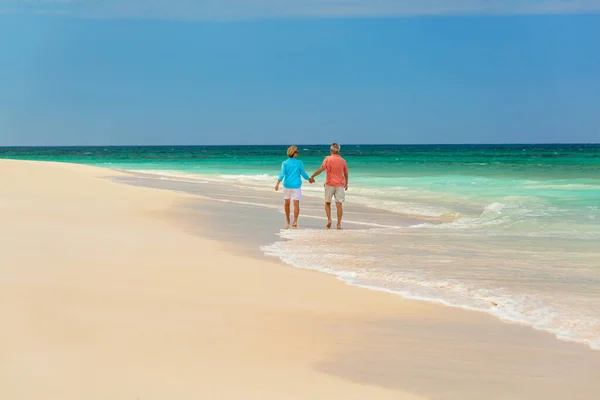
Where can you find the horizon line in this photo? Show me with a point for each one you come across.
(301, 144)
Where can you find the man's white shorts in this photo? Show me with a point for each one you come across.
(294, 194)
(337, 191)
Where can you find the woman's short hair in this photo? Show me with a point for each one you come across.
(291, 151)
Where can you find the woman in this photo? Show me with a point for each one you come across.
(291, 172)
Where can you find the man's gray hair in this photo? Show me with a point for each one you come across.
(335, 148)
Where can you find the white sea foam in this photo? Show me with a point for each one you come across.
(566, 186)
(406, 208)
(515, 211)
(367, 258)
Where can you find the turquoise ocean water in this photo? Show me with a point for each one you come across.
(512, 230)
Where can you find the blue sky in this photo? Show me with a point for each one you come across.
(94, 72)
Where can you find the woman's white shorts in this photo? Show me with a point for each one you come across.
(294, 194)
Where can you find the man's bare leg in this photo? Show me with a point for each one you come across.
(328, 212)
(340, 213)
(286, 207)
(296, 213)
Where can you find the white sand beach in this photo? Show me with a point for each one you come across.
(103, 295)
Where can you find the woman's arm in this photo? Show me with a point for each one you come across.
(303, 172)
(281, 176)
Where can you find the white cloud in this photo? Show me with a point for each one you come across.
(243, 9)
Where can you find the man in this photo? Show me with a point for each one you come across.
(336, 183)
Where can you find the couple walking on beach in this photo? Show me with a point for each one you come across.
(336, 183)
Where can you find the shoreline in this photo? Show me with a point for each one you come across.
(160, 181)
(148, 301)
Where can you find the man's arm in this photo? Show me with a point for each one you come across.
(346, 175)
(317, 173)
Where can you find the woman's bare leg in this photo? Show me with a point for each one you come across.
(286, 207)
(296, 213)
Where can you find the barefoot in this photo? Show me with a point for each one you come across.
(339, 226)
(328, 224)
(287, 226)
(294, 226)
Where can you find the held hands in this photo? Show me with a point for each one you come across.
(311, 180)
